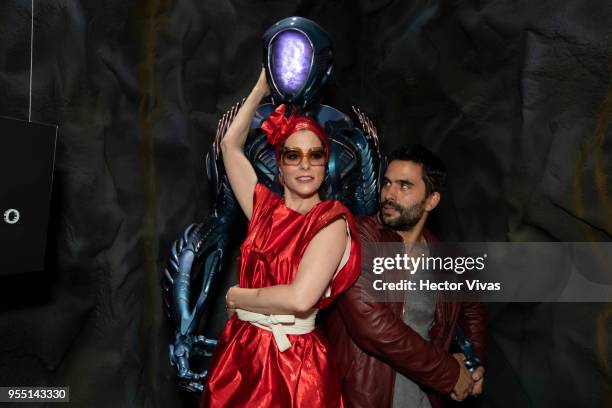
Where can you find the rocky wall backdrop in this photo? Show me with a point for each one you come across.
(514, 95)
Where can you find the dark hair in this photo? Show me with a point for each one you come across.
(434, 172)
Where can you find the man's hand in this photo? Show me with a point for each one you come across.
(465, 383)
(478, 377)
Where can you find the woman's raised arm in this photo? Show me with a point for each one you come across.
(240, 172)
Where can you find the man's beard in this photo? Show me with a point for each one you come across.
(408, 217)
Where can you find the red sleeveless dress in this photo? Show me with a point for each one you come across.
(248, 370)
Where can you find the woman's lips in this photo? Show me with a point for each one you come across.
(304, 179)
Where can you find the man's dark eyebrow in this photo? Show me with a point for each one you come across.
(410, 183)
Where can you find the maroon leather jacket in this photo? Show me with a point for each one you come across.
(371, 341)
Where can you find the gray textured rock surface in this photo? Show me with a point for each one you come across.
(515, 96)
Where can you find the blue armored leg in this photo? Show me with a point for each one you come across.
(197, 258)
(464, 345)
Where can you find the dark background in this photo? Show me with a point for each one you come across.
(515, 96)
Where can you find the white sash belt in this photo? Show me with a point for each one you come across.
(280, 325)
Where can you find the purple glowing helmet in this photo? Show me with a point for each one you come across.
(298, 60)
(291, 60)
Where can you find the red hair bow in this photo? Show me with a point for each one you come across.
(278, 127)
(277, 124)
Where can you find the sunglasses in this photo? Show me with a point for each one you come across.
(292, 156)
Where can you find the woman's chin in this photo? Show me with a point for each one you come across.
(304, 190)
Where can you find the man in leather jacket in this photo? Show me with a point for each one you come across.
(373, 344)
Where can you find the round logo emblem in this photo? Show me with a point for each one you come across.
(11, 216)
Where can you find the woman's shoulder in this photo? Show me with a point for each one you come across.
(264, 201)
(263, 194)
(329, 211)
(262, 189)
(333, 207)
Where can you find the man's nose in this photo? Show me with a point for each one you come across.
(389, 193)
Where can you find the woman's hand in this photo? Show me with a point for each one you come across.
(229, 305)
(262, 87)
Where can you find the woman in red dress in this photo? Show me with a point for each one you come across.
(300, 253)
